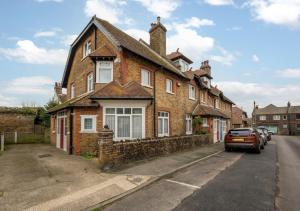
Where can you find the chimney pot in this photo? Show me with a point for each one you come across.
(158, 19)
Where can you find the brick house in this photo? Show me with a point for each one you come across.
(280, 120)
(239, 118)
(134, 88)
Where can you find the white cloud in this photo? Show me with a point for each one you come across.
(190, 42)
(255, 58)
(68, 39)
(219, 2)
(7, 101)
(138, 34)
(280, 12)
(290, 73)
(45, 34)
(243, 94)
(26, 89)
(110, 10)
(27, 52)
(225, 58)
(30, 85)
(162, 8)
(197, 22)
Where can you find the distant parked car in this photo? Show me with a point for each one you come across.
(271, 132)
(263, 135)
(244, 138)
(266, 132)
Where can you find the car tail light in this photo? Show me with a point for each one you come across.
(228, 137)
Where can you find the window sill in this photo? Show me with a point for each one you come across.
(192, 99)
(88, 131)
(189, 133)
(147, 86)
(171, 93)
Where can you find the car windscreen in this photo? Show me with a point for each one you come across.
(239, 132)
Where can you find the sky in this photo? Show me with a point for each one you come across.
(252, 45)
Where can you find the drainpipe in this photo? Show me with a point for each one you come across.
(154, 103)
(71, 131)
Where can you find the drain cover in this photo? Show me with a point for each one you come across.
(44, 155)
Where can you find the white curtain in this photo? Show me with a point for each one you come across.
(137, 126)
(110, 121)
(124, 126)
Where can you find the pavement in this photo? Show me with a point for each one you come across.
(289, 173)
(41, 177)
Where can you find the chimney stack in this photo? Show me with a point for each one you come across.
(206, 67)
(158, 37)
(289, 104)
(58, 88)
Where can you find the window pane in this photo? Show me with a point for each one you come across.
(136, 110)
(110, 110)
(119, 110)
(127, 110)
(166, 126)
(160, 126)
(110, 121)
(88, 123)
(123, 126)
(145, 77)
(137, 126)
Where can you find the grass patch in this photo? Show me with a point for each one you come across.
(87, 155)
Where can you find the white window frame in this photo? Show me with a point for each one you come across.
(276, 117)
(94, 123)
(206, 79)
(169, 82)
(262, 118)
(184, 65)
(90, 82)
(202, 96)
(192, 92)
(163, 118)
(72, 90)
(98, 72)
(143, 73)
(285, 126)
(116, 138)
(204, 122)
(189, 124)
(87, 48)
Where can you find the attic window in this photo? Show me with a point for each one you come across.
(206, 80)
(87, 49)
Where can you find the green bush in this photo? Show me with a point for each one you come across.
(87, 155)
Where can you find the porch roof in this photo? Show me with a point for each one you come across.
(202, 110)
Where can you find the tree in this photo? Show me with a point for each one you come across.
(43, 116)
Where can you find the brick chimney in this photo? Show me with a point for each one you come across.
(158, 37)
(206, 67)
(58, 88)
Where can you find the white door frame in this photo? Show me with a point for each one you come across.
(61, 115)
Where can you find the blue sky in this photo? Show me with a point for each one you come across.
(253, 46)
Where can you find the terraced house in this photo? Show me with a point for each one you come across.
(133, 87)
(280, 120)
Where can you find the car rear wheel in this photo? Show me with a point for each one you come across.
(227, 149)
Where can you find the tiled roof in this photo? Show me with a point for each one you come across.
(103, 51)
(271, 109)
(177, 54)
(200, 72)
(78, 101)
(114, 90)
(294, 110)
(137, 47)
(202, 110)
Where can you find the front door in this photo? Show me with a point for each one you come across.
(61, 138)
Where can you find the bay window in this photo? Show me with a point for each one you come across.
(104, 73)
(163, 124)
(127, 123)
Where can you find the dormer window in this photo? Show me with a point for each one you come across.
(184, 66)
(206, 81)
(87, 49)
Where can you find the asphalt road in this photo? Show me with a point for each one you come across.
(248, 181)
(289, 173)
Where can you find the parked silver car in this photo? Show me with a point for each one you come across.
(263, 135)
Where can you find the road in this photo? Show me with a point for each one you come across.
(248, 182)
